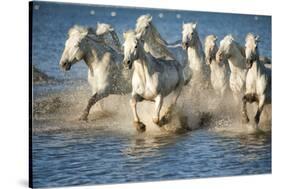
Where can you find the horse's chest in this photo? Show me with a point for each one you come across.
(145, 87)
(218, 75)
(237, 80)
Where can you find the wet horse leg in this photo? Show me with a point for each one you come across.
(260, 108)
(158, 106)
(168, 114)
(245, 117)
(95, 98)
(137, 123)
(250, 98)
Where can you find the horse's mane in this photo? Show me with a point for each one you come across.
(229, 39)
(81, 31)
(77, 30)
(156, 35)
(250, 36)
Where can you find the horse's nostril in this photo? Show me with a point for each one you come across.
(128, 62)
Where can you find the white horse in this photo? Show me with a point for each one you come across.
(219, 72)
(229, 49)
(157, 46)
(153, 42)
(258, 80)
(104, 73)
(153, 79)
(192, 44)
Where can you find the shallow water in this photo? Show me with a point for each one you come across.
(107, 149)
(99, 156)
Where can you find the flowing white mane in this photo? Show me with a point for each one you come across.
(145, 21)
(229, 40)
(154, 43)
(77, 32)
(210, 42)
(103, 29)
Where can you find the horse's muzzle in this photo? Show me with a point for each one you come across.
(185, 45)
(249, 63)
(65, 65)
(128, 64)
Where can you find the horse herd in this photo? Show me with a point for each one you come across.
(156, 71)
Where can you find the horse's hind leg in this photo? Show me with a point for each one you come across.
(95, 98)
(133, 102)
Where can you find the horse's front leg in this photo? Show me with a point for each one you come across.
(95, 98)
(158, 106)
(245, 117)
(133, 102)
(261, 101)
(168, 114)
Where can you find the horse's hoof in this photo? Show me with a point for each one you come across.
(83, 118)
(257, 120)
(155, 120)
(139, 126)
(165, 119)
(245, 120)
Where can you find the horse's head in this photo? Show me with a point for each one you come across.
(143, 26)
(103, 29)
(189, 35)
(73, 50)
(225, 49)
(131, 48)
(251, 49)
(210, 48)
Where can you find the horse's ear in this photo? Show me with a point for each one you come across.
(138, 35)
(194, 25)
(215, 38)
(149, 18)
(257, 38)
(111, 28)
(183, 24)
(124, 35)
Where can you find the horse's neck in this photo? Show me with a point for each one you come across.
(195, 55)
(143, 66)
(237, 61)
(257, 69)
(94, 54)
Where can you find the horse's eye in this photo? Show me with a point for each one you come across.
(192, 33)
(136, 46)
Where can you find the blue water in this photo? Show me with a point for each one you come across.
(70, 153)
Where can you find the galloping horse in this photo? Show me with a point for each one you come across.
(219, 71)
(230, 50)
(153, 79)
(157, 46)
(105, 74)
(196, 58)
(153, 42)
(258, 80)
